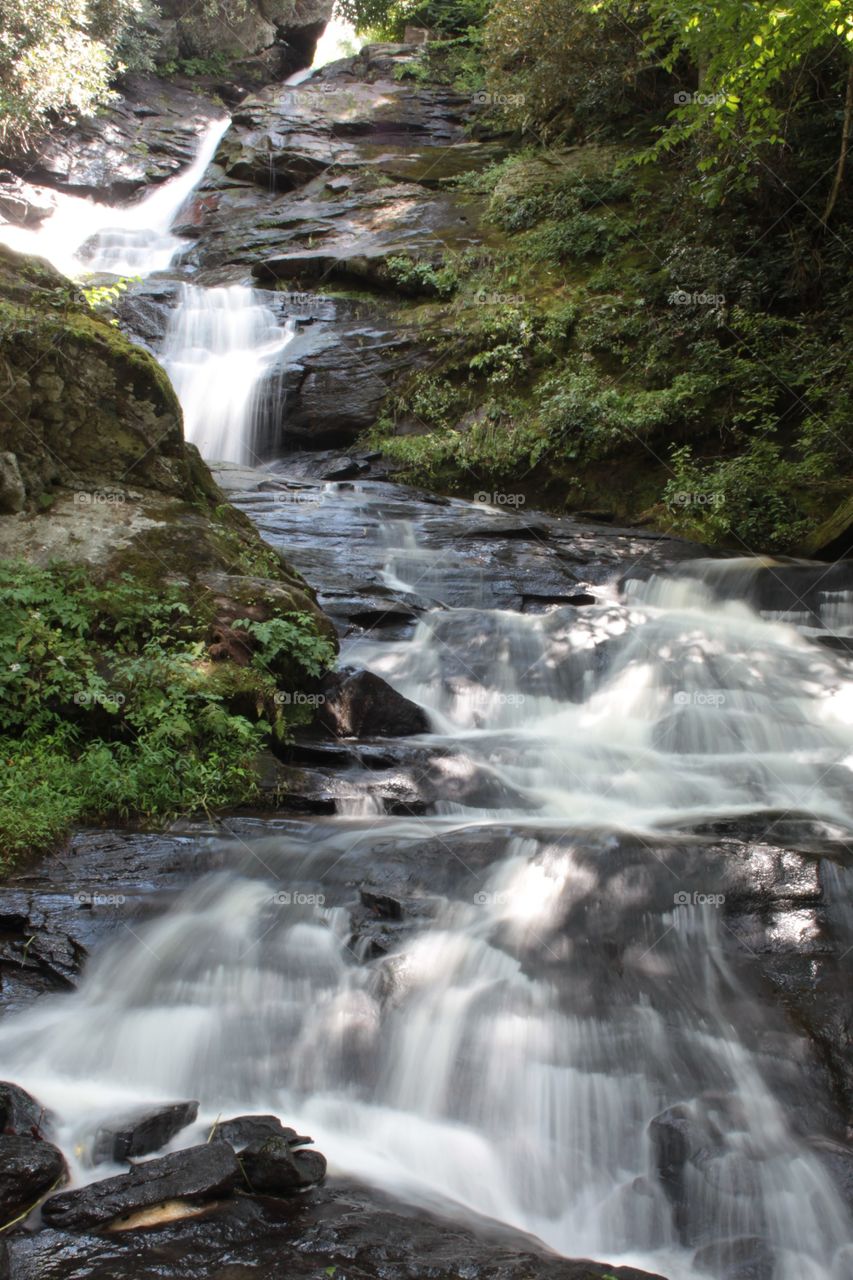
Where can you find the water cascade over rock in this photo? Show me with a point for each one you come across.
(569, 950)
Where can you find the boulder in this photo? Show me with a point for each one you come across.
(198, 1174)
(359, 704)
(21, 203)
(244, 1131)
(141, 1132)
(28, 1169)
(272, 1167)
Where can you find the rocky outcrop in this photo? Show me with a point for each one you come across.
(91, 431)
(278, 36)
(148, 134)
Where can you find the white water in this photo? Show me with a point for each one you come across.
(83, 236)
(497, 1059)
(491, 1060)
(221, 348)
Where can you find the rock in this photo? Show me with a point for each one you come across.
(341, 1228)
(386, 907)
(141, 1132)
(197, 1174)
(286, 30)
(272, 1167)
(360, 704)
(23, 204)
(13, 494)
(28, 1169)
(20, 1113)
(243, 1131)
(149, 134)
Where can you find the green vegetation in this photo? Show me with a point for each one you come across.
(58, 60)
(659, 324)
(111, 705)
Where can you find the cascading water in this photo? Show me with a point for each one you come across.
(83, 235)
(565, 986)
(221, 348)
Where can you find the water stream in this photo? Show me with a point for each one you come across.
(498, 1057)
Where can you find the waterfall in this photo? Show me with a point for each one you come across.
(83, 235)
(511, 1053)
(221, 348)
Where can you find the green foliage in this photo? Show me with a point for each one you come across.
(756, 500)
(292, 636)
(745, 65)
(110, 705)
(422, 278)
(58, 59)
(391, 17)
(213, 64)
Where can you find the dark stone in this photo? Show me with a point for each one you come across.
(273, 1168)
(142, 1132)
(28, 1169)
(197, 1174)
(386, 907)
(352, 1231)
(244, 1131)
(20, 1113)
(361, 704)
(149, 134)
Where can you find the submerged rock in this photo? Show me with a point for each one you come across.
(197, 1174)
(142, 1132)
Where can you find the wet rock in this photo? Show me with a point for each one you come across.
(244, 1131)
(273, 1167)
(28, 1169)
(357, 1233)
(147, 135)
(743, 1258)
(382, 904)
(142, 1132)
(197, 1174)
(20, 1113)
(21, 203)
(361, 704)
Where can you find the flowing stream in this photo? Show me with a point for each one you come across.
(507, 1053)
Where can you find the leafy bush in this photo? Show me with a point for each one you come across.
(110, 705)
(59, 59)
